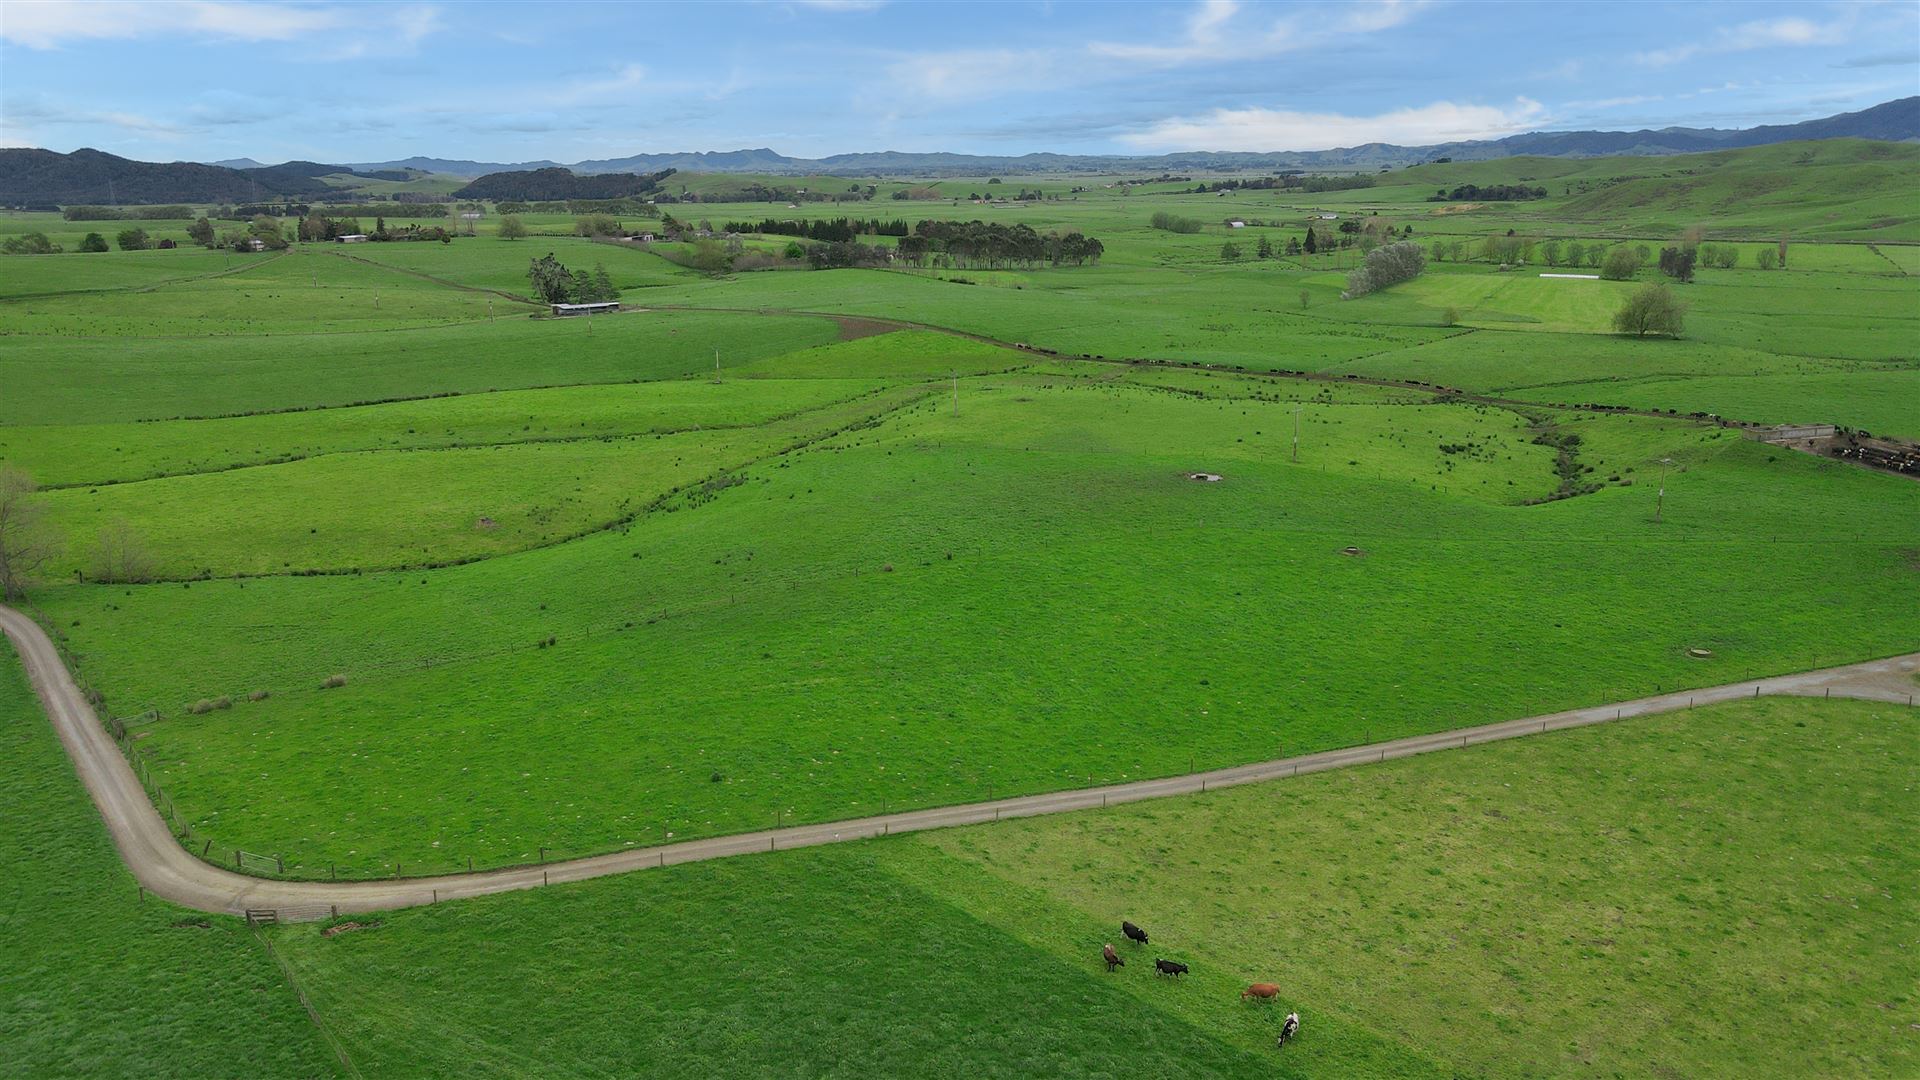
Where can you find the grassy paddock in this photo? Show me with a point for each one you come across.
(1658, 896)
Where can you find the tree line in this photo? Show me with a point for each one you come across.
(1488, 193)
(829, 230)
(561, 184)
(994, 244)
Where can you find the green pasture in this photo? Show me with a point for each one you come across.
(376, 509)
(58, 381)
(69, 455)
(101, 981)
(870, 621)
(1655, 897)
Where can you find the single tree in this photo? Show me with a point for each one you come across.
(1229, 251)
(1310, 247)
(120, 555)
(710, 256)
(1652, 309)
(1677, 262)
(133, 240)
(1263, 249)
(603, 289)
(1306, 297)
(1620, 265)
(201, 231)
(1766, 258)
(93, 242)
(26, 540)
(551, 282)
(512, 228)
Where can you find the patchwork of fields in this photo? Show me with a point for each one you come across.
(425, 581)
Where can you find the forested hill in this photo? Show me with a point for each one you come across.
(90, 176)
(36, 177)
(540, 185)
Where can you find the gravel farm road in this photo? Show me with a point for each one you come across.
(163, 867)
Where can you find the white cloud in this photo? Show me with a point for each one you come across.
(49, 24)
(582, 91)
(1614, 102)
(969, 72)
(1214, 34)
(1789, 32)
(1269, 130)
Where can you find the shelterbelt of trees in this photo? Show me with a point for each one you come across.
(967, 244)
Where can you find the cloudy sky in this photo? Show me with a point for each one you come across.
(508, 82)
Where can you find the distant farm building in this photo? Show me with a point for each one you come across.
(256, 244)
(1236, 224)
(1329, 217)
(604, 307)
(351, 238)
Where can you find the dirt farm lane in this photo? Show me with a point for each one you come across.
(163, 867)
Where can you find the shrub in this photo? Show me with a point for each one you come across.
(1173, 223)
(1620, 265)
(93, 242)
(1450, 317)
(333, 682)
(1651, 309)
(133, 240)
(1389, 264)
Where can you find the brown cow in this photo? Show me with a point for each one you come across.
(1263, 991)
(1112, 958)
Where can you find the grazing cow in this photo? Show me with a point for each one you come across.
(1289, 1028)
(1134, 933)
(1168, 967)
(1112, 958)
(1263, 991)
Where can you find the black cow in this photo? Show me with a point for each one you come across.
(1168, 967)
(1134, 933)
(1289, 1028)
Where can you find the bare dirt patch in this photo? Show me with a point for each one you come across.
(348, 927)
(852, 329)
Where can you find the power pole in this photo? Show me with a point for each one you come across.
(956, 393)
(1296, 433)
(1660, 500)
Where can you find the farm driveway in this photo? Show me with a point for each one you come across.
(168, 870)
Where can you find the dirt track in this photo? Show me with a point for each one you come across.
(168, 870)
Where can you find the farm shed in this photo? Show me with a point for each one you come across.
(603, 307)
(351, 238)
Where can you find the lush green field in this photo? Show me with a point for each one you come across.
(1663, 896)
(582, 590)
(98, 981)
(850, 627)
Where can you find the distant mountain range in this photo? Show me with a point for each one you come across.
(1894, 121)
(37, 177)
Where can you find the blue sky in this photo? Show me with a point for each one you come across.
(509, 82)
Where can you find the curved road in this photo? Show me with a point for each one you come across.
(168, 870)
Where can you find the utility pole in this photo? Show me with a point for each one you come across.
(716, 363)
(1660, 500)
(956, 393)
(1296, 433)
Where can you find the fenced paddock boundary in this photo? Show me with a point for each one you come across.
(165, 868)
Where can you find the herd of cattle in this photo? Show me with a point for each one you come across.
(1258, 991)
